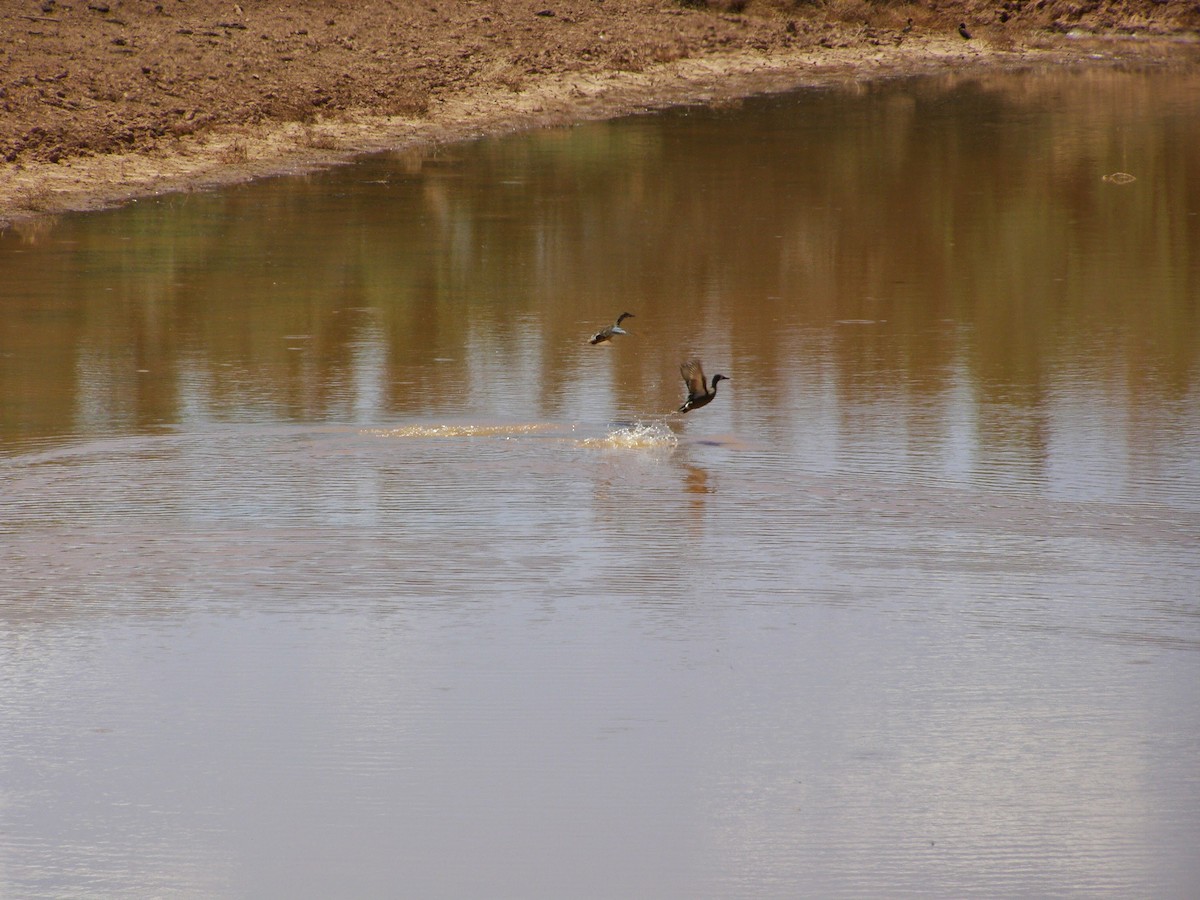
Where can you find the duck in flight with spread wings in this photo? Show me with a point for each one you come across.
(606, 334)
(700, 391)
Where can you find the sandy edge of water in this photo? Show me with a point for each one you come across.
(238, 154)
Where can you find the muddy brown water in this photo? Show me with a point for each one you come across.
(337, 563)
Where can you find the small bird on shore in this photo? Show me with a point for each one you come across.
(606, 334)
(699, 391)
(962, 29)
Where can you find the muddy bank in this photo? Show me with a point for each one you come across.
(103, 101)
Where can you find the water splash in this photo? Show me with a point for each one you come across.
(638, 436)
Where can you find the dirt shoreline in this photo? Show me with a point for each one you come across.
(80, 136)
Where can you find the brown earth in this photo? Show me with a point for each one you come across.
(102, 101)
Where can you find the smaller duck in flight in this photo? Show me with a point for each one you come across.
(606, 334)
(700, 391)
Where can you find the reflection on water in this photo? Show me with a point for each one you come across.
(335, 557)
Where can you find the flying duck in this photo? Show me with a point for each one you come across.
(699, 391)
(606, 334)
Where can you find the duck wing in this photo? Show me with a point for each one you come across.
(693, 377)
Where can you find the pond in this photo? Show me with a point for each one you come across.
(338, 562)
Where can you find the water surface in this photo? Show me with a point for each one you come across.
(336, 562)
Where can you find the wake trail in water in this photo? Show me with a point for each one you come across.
(462, 430)
(625, 436)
